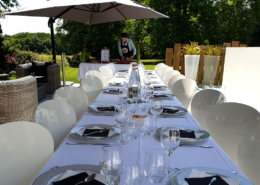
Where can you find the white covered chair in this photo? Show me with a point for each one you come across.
(75, 97)
(203, 101)
(25, 148)
(155, 69)
(174, 79)
(107, 73)
(168, 69)
(92, 86)
(56, 116)
(168, 76)
(159, 67)
(227, 123)
(112, 67)
(97, 74)
(184, 91)
(161, 70)
(248, 155)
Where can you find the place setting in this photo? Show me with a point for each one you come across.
(103, 109)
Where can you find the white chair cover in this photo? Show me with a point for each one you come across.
(75, 97)
(227, 123)
(168, 76)
(97, 74)
(25, 148)
(168, 69)
(92, 86)
(174, 79)
(156, 67)
(106, 72)
(248, 155)
(112, 67)
(203, 101)
(159, 67)
(161, 70)
(56, 116)
(184, 91)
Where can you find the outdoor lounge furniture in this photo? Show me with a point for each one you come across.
(41, 91)
(18, 99)
(46, 73)
(4, 77)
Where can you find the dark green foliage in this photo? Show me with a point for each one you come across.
(3, 64)
(6, 4)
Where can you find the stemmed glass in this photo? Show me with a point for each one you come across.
(122, 97)
(141, 104)
(131, 107)
(156, 109)
(146, 125)
(132, 174)
(132, 129)
(111, 163)
(148, 92)
(121, 119)
(170, 139)
(154, 165)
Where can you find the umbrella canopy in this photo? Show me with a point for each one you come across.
(91, 11)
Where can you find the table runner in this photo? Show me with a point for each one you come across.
(182, 157)
(85, 67)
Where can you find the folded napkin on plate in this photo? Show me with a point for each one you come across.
(158, 87)
(171, 111)
(187, 134)
(199, 177)
(159, 95)
(89, 131)
(70, 178)
(111, 108)
(113, 90)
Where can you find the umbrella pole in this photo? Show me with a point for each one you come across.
(50, 24)
(63, 69)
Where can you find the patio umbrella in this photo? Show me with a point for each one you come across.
(89, 12)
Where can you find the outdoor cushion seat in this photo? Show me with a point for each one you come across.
(40, 68)
(41, 79)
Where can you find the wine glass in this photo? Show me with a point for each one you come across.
(141, 104)
(170, 139)
(149, 92)
(121, 119)
(156, 109)
(111, 163)
(154, 166)
(146, 125)
(132, 129)
(131, 106)
(122, 97)
(132, 174)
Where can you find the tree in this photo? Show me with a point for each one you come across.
(6, 4)
(2, 53)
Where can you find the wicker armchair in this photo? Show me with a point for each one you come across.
(53, 76)
(18, 99)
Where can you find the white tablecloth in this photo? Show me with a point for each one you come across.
(182, 157)
(85, 67)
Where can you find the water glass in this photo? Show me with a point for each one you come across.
(121, 119)
(146, 125)
(122, 97)
(154, 165)
(141, 105)
(148, 92)
(132, 174)
(170, 139)
(131, 106)
(156, 109)
(132, 129)
(111, 163)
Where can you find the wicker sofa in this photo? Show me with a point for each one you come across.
(50, 78)
(18, 99)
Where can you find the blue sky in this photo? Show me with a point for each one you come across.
(16, 24)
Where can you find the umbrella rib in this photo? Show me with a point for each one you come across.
(90, 18)
(120, 12)
(82, 9)
(65, 11)
(110, 7)
(88, 7)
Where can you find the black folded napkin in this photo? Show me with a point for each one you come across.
(114, 90)
(106, 108)
(157, 87)
(187, 134)
(122, 70)
(103, 134)
(159, 95)
(76, 179)
(205, 181)
(172, 111)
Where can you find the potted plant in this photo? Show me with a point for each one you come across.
(192, 59)
(211, 63)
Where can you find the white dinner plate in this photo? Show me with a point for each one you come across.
(113, 91)
(163, 96)
(200, 134)
(182, 111)
(93, 109)
(159, 87)
(99, 177)
(114, 132)
(178, 177)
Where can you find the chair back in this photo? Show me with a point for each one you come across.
(203, 101)
(248, 155)
(161, 70)
(168, 76)
(112, 67)
(97, 74)
(168, 69)
(227, 123)
(58, 117)
(184, 91)
(25, 148)
(174, 79)
(106, 72)
(75, 97)
(159, 66)
(92, 86)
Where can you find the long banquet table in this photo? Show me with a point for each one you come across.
(182, 157)
(85, 67)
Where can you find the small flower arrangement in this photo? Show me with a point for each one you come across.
(216, 51)
(192, 49)
(10, 59)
